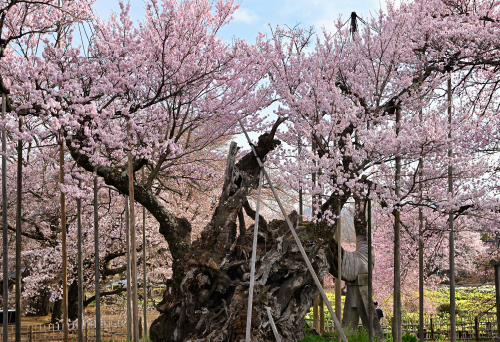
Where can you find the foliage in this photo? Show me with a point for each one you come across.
(408, 337)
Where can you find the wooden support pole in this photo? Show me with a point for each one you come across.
(129, 292)
(133, 265)
(450, 222)
(432, 329)
(144, 278)
(18, 232)
(140, 327)
(80, 267)
(396, 330)
(63, 213)
(370, 274)
(96, 261)
(315, 314)
(338, 280)
(63, 242)
(421, 248)
(496, 265)
(476, 328)
(5, 246)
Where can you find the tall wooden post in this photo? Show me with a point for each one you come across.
(397, 335)
(313, 204)
(96, 261)
(421, 250)
(18, 232)
(338, 280)
(63, 213)
(63, 242)
(496, 265)
(135, 313)
(144, 279)
(129, 292)
(301, 203)
(4, 225)
(370, 274)
(80, 267)
(450, 222)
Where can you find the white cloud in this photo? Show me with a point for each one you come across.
(245, 15)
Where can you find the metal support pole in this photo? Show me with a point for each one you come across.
(254, 257)
(5, 246)
(273, 326)
(296, 238)
(96, 261)
(144, 279)
(80, 267)
(370, 274)
(133, 265)
(18, 232)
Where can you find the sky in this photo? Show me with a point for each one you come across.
(256, 15)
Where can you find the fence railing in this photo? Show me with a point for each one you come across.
(110, 330)
(437, 328)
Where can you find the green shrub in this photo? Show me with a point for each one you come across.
(407, 337)
(445, 308)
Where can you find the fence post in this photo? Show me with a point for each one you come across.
(140, 327)
(432, 329)
(315, 314)
(476, 327)
(86, 331)
(31, 333)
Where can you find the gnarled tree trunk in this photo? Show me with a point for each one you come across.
(211, 302)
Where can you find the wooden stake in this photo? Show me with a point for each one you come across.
(4, 226)
(96, 261)
(18, 232)
(135, 313)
